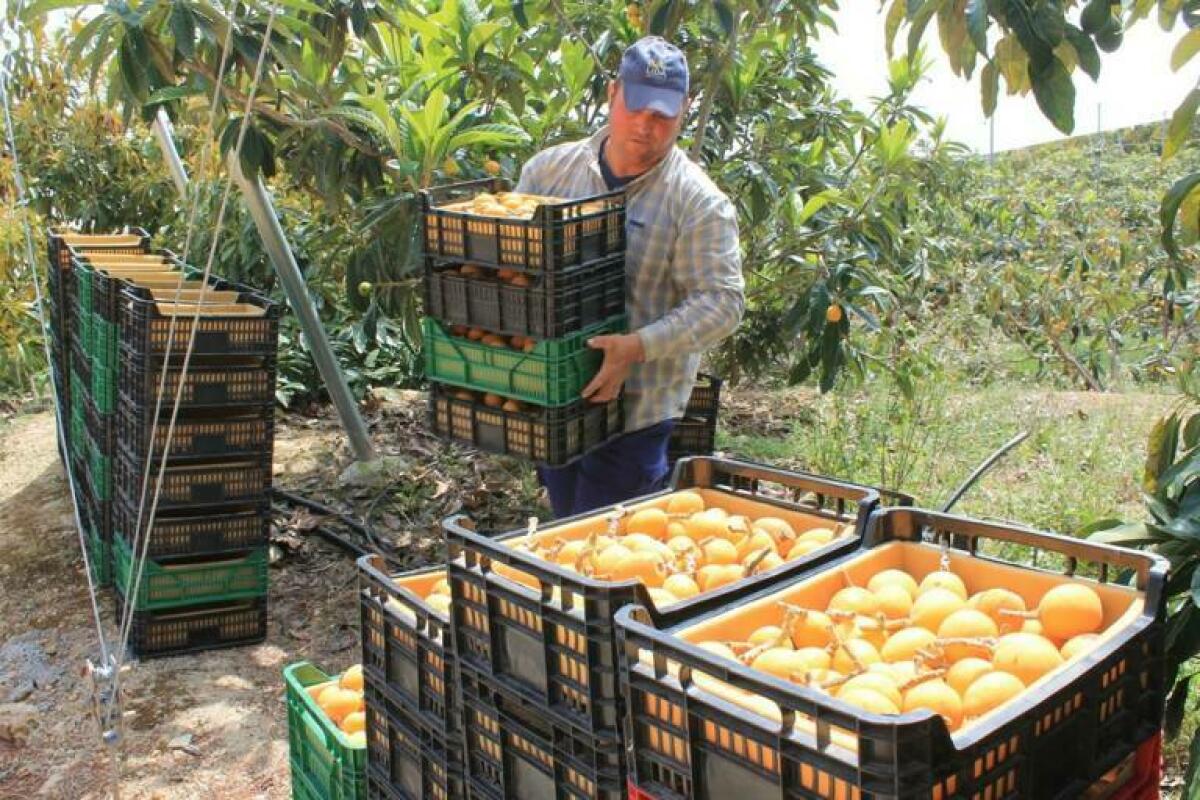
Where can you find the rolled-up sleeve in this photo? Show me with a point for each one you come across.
(707, 268)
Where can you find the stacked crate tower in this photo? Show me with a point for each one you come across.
(201, 524)
(511, 302)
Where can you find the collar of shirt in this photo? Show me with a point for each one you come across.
(596, 140)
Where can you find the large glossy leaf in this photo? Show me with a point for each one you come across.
(1055, 93)
(1160, 451)
(1169, 210)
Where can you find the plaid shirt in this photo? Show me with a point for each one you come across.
(683, 268)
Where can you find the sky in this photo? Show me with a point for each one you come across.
(1136, 82)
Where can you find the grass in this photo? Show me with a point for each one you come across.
(1080, 462)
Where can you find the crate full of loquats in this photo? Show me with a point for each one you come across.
(948, 658)
(327, 740)
(515, 285)
(533, 610)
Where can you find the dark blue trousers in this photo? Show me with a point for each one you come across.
(629, 466)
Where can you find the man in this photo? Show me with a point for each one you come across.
(684, 287)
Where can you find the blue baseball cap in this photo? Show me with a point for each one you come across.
(654, 75)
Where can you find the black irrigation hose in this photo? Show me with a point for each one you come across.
(345, 519)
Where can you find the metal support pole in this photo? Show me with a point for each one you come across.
(166, 143)
(263, 212)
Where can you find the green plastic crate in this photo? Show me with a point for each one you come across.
(104, 344)
(100, 469)
(553, 374)
(301, 788)
(169, 585)
(321, 755)
(99, 558)
(104, 388)
(77, 440)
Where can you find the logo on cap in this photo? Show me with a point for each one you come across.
(655, 68)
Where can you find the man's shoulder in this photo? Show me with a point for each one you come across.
(695, 184)
(562, 151)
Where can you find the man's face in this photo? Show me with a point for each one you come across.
(643, 138)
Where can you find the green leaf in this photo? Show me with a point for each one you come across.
(815, 204)
(989, 80)
(183, 28)
(1191, 780)
(977, 23)
(1160, 451)
(1055, 94)
(1185, 48)
(1085, 50)
(1173, 199)
(1095, 16)
(43, 7)
(1176, 704)
(489, 134)
(1134, 534)
(1191, 431)
(916, 28)
(518, 9)
(662, 13)
(724, 16)
(169, 93)
(891, 25)
(96, 29)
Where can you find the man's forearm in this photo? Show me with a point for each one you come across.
(701, 321)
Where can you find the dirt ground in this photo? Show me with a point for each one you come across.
(211, 724)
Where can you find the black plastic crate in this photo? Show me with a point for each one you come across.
(555, 304)
(212, 626)
(1052, 741)
(212, 382)
(692, 436)
(61, 243)
(513, 750)
(556, 645)
(232, 433)
(193, 484)
(183, 534)
(705, 400)
(99, 426)
(407, 645)
(106, 274)
(547, 435)
(146, 331)
(559, 235)
(407, 758)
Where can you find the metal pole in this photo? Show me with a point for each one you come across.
(992, 138)
(166, 143)
(263, 212)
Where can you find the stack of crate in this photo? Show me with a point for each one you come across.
(535, 640)
(204, 582)
(66, 354)
(129, 325)
(696, 433)
(511, 303)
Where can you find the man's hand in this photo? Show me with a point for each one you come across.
(621, 352)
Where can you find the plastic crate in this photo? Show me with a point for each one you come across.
(175, 534)
(108, 278)
(407, 757)
(406, 645)
(705, 400)
(201, 434)
(556, 304)
(547, 633)
(249, 327)
(99, 426)
(211, 382)
(99, 466)
(105, 343)
(61, 242)
(191, 629)
(552, 374)
(104, 388)
(99, 553)
(559, 234)
(321, 754)
(552, 436)
(513, 750)
(1052, 741)
(692, 436)
(187, 485)
(188, 582)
